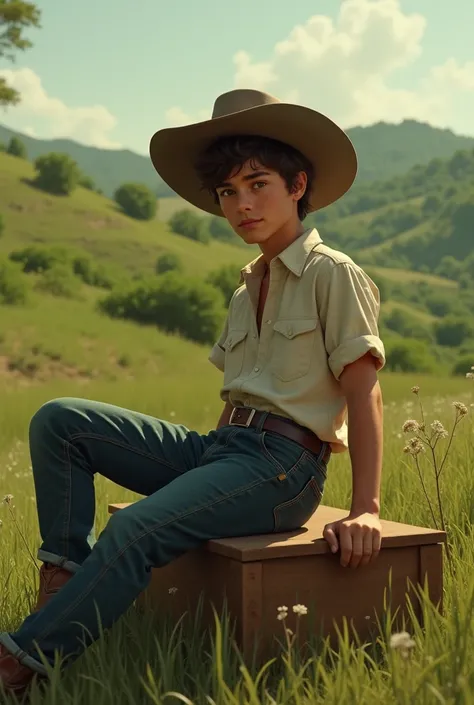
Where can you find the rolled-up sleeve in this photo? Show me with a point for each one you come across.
(349, 307)
(217, 354)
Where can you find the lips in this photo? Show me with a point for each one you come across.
(248, 222)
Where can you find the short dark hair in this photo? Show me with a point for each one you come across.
(226, 153)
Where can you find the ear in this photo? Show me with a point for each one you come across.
(299, 185)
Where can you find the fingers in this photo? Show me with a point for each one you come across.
(346, 541)
(330, 535)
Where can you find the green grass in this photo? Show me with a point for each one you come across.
(141, 659)
(90, 221)
(405, 275)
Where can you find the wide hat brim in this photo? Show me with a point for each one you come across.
(174, 151)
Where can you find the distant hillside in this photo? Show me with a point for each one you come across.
(384, 151)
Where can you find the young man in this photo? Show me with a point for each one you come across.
(299, 353)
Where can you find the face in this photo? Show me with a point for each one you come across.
(257, 204)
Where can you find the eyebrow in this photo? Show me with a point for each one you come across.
(249, 177)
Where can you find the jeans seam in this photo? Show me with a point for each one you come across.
(207, 452)
(67, 513)
(155, 527)
(274, 461)
(98, 437)
(310, 484)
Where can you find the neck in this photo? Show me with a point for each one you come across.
(281, 239)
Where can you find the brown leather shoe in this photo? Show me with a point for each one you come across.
(14, 677)
(52, 579)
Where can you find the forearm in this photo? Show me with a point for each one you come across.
(225, 415)
(365, 427)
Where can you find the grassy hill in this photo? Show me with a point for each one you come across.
(52, 337)
(384, 150)
(92, 222)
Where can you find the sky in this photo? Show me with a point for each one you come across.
(109, 73)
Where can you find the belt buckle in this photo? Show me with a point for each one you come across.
(246, 424)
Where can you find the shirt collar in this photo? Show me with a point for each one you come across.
(294, 257)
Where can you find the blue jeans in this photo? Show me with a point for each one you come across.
(229, 482)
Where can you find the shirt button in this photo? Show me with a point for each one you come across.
(268, 322)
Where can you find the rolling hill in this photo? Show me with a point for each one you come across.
(384, 150)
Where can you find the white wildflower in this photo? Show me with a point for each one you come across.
(402, 642)
(438, 429)
(410, 425)
(172, 590)
(414, 447)
(462, 408)
(300, 609)
(282, 612)
(415, 390)
(469, 375)
(7, 499)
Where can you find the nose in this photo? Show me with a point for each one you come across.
(243, 202)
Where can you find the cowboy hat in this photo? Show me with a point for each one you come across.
(174, 150)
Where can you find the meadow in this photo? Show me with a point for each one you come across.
(142, 660)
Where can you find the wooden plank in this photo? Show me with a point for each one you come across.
(309, 539)
(252, 593)
(333, 593)
(431, 570)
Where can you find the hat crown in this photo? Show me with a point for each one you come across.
(240, 99)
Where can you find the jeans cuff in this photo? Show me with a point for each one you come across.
(22, 656)
(60, 561)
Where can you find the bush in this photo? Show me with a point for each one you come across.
(87, 182)
(39, 258)
(16, 148)
(226, 279)
(408, 356)
(407, 325)
(57, 173)
(136, 201)
(174, 303)
(59, 280)
(169, 262)
(190, 225)
(463, 365)
(219, 229)
(453, 331)
(95, 273)
(14, 286)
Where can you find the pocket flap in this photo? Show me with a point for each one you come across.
(294, 327)
(234, 337)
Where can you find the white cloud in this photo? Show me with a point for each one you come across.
(346, 68)
(87, 124)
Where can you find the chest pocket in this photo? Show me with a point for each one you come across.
(234, 346)
(293, 347)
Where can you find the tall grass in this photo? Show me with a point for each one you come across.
(144, 660)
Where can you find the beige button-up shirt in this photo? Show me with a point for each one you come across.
(321, 314)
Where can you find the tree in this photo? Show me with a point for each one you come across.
(226, 279)
(168, 262)
(174, 303)
(136, 201)
(57, 173)
(16, 148)
(15, 17)
(453, 331)
(190, 225)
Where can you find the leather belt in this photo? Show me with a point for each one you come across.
(246, 417)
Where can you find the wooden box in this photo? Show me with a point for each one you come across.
(258, 574)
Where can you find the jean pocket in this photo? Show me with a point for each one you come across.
(294, 513)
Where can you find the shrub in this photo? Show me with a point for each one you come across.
(87, 182)
(57, 173)
(408, 356)
(463, 365)
(94, 273)
(407, 325)
(168, 262)
(16, 148)
(453, 331)
(136, 201)
(219, 229)
(174, 303)
(39, 258)
(59, 280)
(226, 279)
(14, 286)
(190, 225)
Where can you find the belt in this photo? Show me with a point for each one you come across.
(246, 417)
